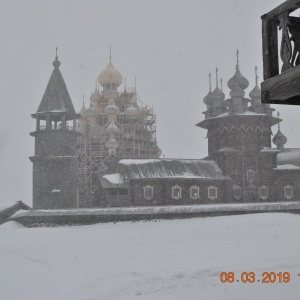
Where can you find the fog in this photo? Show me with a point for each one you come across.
(170, 46)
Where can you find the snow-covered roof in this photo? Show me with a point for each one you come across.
(114, 178)
(269, 149)
(228, 149)
(287, 167)
(289, 156)
(170, 168)
(246, 113)
(137, 161)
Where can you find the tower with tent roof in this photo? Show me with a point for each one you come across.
(55, 158)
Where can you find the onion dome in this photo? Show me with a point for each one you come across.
(110, 76)
(112, 108)
(56, 63)
(112, 144)
(238, 81)
(208, 98)
(217, 94)
(112, 128)
(131, 112)
(279, 139)
(95, 96)
(256, 92)
(91, 112)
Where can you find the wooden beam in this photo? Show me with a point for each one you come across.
(270, 48)
(283, 88)
(289, 5)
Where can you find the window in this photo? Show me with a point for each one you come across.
(251, 176)
(176, 192)
(212, 192)
(148, 192)
(263, 192)
(194, 192)
(237, 192)
(288, 192)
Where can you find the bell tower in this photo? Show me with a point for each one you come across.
(55, 159)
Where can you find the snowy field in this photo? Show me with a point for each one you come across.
(175, 259)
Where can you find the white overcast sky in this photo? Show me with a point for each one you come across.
(170, 45)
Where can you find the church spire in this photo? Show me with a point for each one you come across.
(56, 63)
(56, 96)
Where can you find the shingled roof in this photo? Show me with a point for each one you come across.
(56, 97)
(168, 168)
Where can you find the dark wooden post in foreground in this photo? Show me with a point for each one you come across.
(281, 79)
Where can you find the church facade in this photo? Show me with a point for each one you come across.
(109, 157)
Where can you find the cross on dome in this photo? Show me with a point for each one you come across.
(217, 84)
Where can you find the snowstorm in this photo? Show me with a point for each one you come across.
(138, 161)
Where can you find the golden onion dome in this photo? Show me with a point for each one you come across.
(95, 96)
(131, 112)
(110, 75)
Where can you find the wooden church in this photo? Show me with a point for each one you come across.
(241, 166)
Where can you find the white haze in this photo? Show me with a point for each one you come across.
(170, 46)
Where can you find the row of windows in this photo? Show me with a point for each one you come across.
(213, 192)
(176, 192)
(263, 192)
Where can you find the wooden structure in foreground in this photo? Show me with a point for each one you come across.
(281, 86)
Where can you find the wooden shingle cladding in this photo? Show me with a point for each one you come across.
(9, 211)
(163, 175)
(162, 191)
(284, 178)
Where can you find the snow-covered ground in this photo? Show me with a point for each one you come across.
(172, 260)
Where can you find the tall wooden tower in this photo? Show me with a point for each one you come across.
(55, 159)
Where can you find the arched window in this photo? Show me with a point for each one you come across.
(194, 192)
(251, 176)
(263, 192)
(212, 193)
(148, 192)
(237, 192)
(176, 192)
(288, 192)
